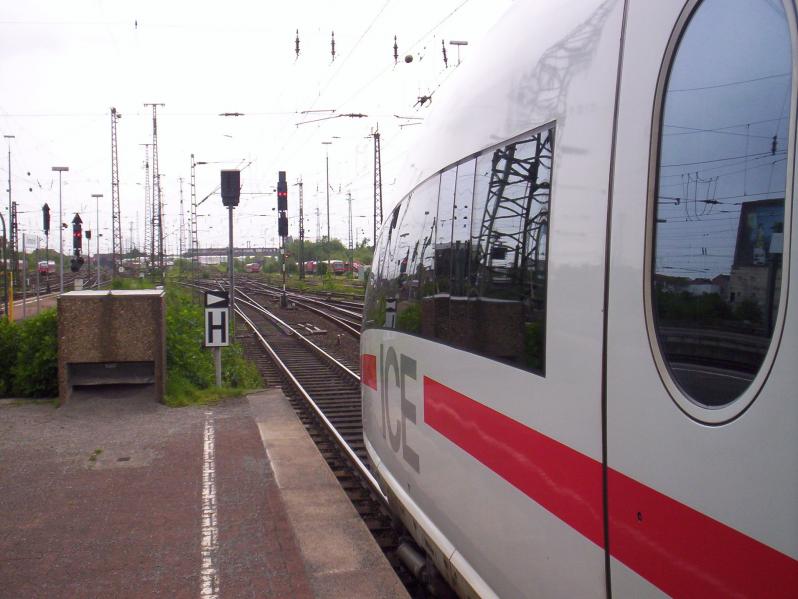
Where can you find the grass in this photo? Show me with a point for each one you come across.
(190, 377)
(94, 455)
(320, 283)
(181, 393)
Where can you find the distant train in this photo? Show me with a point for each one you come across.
(336, 267)
(46, 267)
(252, 267)
(578, 360)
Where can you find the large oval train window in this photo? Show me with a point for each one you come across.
(720, 203)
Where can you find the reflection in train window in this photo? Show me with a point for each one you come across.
(462, 260)
(414, 253)
(722, 181)
(444, 229)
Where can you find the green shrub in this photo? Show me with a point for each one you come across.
(237, 371)
(132, 283)
(36, 371)
(185, 355)
(9, 342)
(191, 375)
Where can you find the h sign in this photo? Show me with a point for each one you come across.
(216, 317)
(216, 327)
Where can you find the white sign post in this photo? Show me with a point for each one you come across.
(216, 331)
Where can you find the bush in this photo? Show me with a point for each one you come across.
(132, 283)
(9, 343)
(237, 371)
(36, 371)
(191, 376)
(185, 356)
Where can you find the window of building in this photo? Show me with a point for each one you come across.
(720, 203)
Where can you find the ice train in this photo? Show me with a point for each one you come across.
(579, 348)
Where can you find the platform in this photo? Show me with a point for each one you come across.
(114, 495)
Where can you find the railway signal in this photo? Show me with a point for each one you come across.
(77, 243)
(282, 192)
(231, 192)
(46, 219)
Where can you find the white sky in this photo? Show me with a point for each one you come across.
(64, 64)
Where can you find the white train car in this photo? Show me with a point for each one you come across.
(579, 350)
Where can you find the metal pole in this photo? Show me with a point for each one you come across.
(47, 260)
(97, 197)
(5, 265)
(301, 233)
(283, 298)
(38, 276)
(88, 260)
(60, 235)
(327, 160)
(231, 271)
(12, 250)
(217, 360)
(59, 170)
(24, 279)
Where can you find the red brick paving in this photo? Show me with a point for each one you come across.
(258, 554)
(73, 527)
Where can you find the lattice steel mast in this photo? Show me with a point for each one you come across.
(157, 203)
(148, 237)
(377, 186)
(301, 231)
(14, 243)
(515, 224)
(351, 247)
(182, 222)
(116, 215)
(194, 233)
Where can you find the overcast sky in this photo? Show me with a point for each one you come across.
(64, 64)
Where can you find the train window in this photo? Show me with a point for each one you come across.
(461, 227)
(382, 283)
(415, 251)
(462, 260)
(719, 214)
(510, 240)
(443, 238)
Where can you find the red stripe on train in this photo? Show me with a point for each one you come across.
(564, 481)
(680, 550)
(688, 554)
(368, 370)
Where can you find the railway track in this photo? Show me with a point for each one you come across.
(324, 390)
(325, 393)
(345, 317)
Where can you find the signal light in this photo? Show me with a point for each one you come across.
(75, 264)
(231, 187)
(77, 235)
(282, 192)
(46, 219)
(282, 226)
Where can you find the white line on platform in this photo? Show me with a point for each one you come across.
(209, 588)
